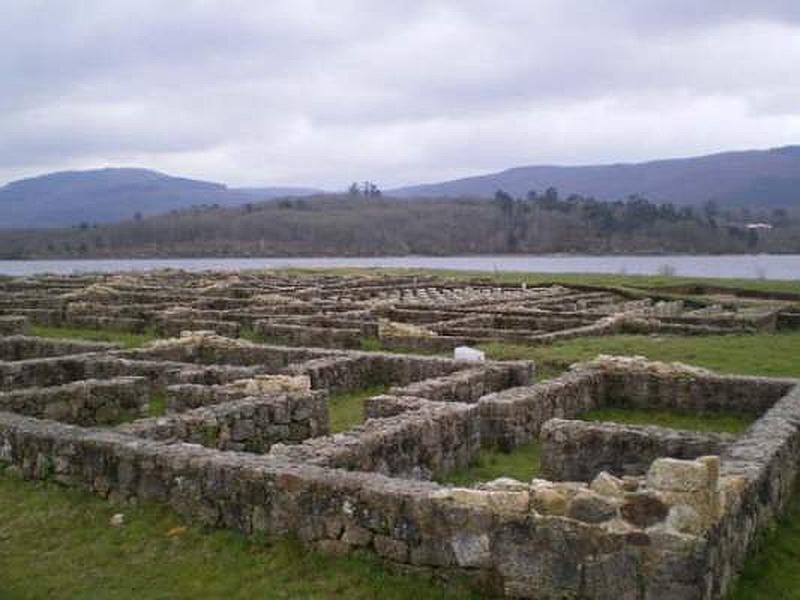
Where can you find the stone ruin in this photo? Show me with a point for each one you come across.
(244, 442)
(406, 313)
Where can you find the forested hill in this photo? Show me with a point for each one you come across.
(343, 225)
(108, 195)
(752, 178)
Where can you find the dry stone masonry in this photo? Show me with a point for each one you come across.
(244, 441)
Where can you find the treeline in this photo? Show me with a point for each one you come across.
(349, 225)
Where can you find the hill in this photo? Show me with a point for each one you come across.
(753, 178)
(348, 226)
(109, 195)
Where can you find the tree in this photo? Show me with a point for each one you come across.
(710, 210)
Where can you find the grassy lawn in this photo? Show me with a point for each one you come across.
(672, 419)
(653, 282)
(774, 571)
(522, 463)
(346, 409)
(124, 338)
(157, 406)
(762, 354)
(58, 543)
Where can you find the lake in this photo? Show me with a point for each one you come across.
(761, 266)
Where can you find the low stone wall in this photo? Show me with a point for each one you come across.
(468, 385)
(788, 320)
(679, 531)
(23, 347)
(634, 383)
(357, 370)
(249, 424)
(761, 470)
(102, 322)
(89, 403)
(186, 396)
(13, 325)
(496, 535)
(516, 415)
(170, 327)
(579, 450)
(58, 370)
(305, 335)
(423, 444)
(384, 405)
(201, 348)
(37, 316)
(429, 344)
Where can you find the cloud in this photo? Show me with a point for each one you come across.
(320, 93)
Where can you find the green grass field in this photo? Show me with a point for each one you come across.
(522, 463)
(346, 409)
(761, 354)
(58, 543)
(125, 339)
(673, 420)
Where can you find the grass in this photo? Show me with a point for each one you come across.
(346, 409)
(126, 339)
(644, 282)
(773, 571)
(727, 423)
(522, 463)
(249, 334)
(760, 354)
(58, 543)
(371, 344)
(157, 406)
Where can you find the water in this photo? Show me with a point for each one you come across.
(760, 266)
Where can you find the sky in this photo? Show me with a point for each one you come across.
(321, 93)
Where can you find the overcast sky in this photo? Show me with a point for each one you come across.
(402, 91)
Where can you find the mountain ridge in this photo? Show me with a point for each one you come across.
(758, 179)
(723, 177)
(113, 194)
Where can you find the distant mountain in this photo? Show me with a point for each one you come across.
(108, 195)
(754, 178)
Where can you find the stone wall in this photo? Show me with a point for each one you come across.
(470, 384)
(58, 370)
(202, 348)
(89, 402)
(636, 383)
(579, 450)
(495, 535)
(760, 471)
(305, 335)
(13, 325)
(22, 347)
(357, 370)
(173, 326)
(106, 322)
(251, 424)
(426, 443)
(515, 416)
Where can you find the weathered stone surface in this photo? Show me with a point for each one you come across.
(681, 532)
(579, 450)
(643, 509)
(592, 508)
(608, 485)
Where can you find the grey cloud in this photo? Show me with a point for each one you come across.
(317, 93)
